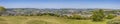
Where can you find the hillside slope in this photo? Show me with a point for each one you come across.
(42, 20)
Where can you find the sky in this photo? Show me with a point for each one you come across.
(112, 4)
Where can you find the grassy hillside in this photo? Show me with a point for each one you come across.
(43, 20)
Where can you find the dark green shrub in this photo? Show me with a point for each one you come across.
(98, 15)
(78, 17)
(50, 14)
(110, 16)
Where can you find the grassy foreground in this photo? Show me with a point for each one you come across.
(43, 20)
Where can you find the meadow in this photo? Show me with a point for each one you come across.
(43, 20)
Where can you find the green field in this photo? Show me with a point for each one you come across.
(43, 20)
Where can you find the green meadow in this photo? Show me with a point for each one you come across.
(43, 20)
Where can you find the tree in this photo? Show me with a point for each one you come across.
(98, 15)
(2, 9)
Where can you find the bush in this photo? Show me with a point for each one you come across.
(110, 16)
(75, 17)
(50, 14)
(98, 15)
(114, 22)
(85, 18)
(2, 9)
(97, 19)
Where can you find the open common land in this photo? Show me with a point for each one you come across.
(43, 20)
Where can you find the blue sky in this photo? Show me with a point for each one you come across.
(60, 3)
